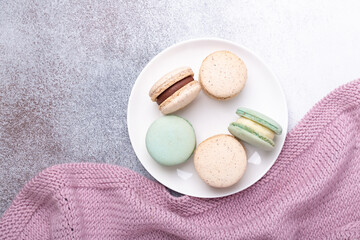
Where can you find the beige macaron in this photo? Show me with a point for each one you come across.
(220, 160)
(222, 75)
(175, 90)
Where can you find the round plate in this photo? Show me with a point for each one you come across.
(262, 92)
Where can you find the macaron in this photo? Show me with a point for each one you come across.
(222, 75)
(220, 160)
(170, 140)
(175, 90)
(255, 128)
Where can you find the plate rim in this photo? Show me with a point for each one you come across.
(163, 52)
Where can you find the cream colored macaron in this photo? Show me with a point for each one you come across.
(175, 90)
(222, 75)
(220, 160)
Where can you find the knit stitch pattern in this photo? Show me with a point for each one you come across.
(311, 192)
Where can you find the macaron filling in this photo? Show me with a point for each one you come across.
(256, 127)
(254, 132)
(173, 88)
(259, 118)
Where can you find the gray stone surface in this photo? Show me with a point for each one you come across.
(67, 68)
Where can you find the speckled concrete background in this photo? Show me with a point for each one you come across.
(67, 68)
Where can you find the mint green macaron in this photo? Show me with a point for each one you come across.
(255, 128)
(170, 140)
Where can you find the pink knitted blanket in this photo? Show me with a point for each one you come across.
(312, 192)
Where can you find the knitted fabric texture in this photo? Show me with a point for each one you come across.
(311, 192)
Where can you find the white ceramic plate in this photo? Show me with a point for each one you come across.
(262, 92)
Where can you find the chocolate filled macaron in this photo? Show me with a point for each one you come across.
(175, 90)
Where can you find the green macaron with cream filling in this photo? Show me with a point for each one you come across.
(255, 128)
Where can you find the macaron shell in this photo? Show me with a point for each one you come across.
(170, 140)
(169, 79)
(259, 118)
(180, 98)
(250, 138)
(222, 75)
(220, 161)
